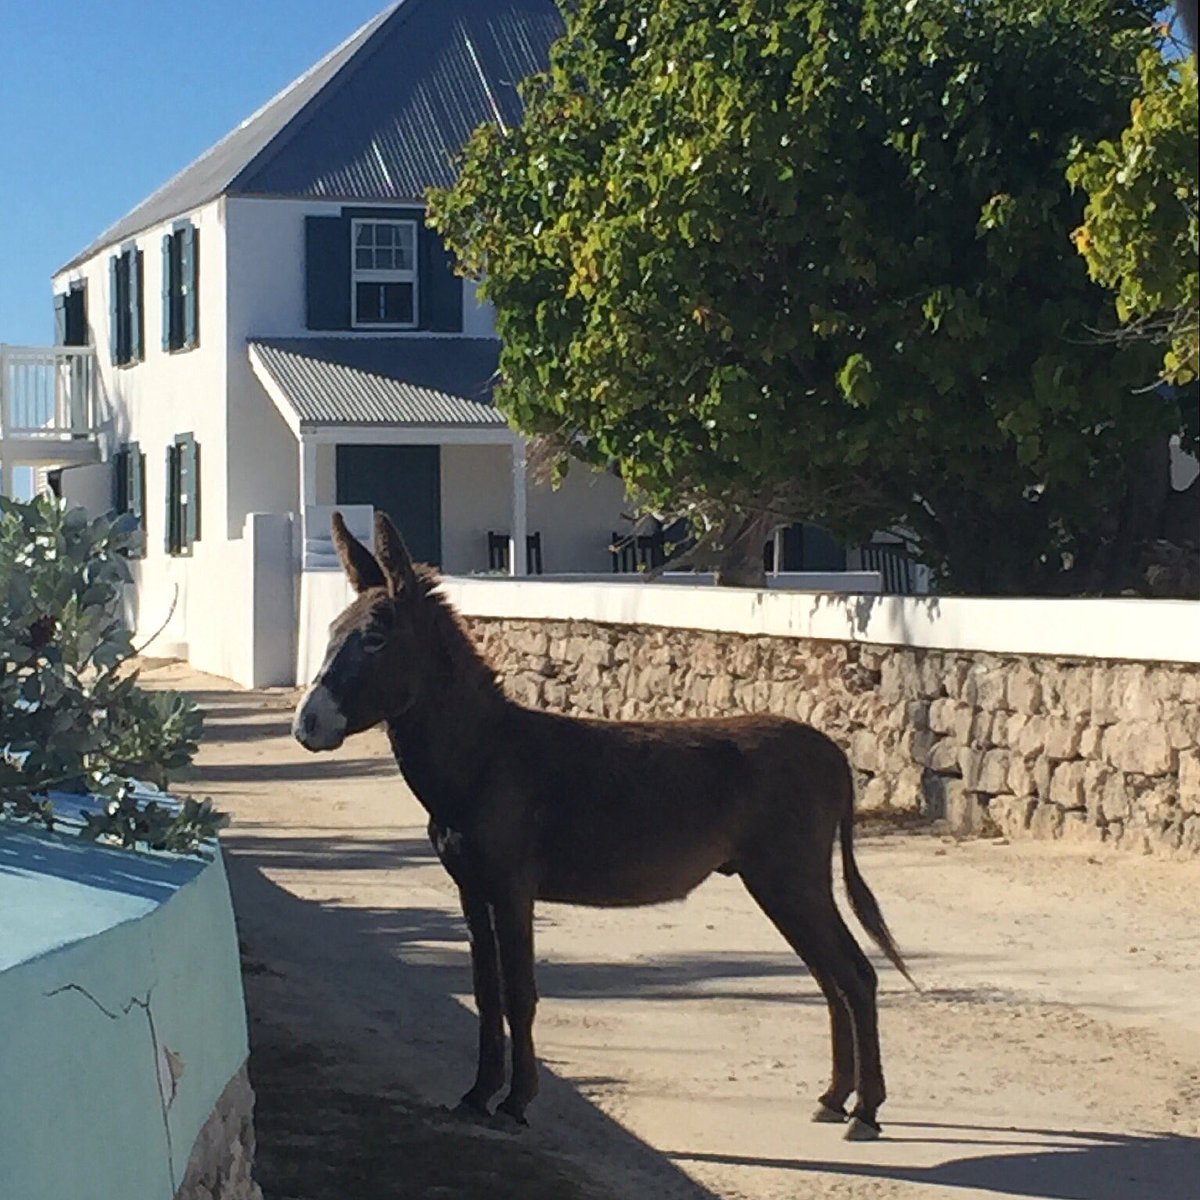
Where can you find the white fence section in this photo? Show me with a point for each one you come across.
(49, 392)
(853, 582)
(323, 595)
(319, 552)
(1121, 629)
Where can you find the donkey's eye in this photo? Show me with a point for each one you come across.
(372, 643)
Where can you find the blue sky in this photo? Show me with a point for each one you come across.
(100, 103)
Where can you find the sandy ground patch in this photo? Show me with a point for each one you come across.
(1054, 1051)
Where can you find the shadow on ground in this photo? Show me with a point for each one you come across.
(1069, 1165)
(355, 1024)
(345, 1037)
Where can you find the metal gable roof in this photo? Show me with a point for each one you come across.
(393, 125)
(412, 381)
(380, 118)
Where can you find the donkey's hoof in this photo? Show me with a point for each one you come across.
(508, 1121)
(823, 1114)
(464, 1110)
(861, 1130)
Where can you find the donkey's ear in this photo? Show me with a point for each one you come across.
(361, 568)
(393, 556)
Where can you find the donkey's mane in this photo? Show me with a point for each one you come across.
(466, 663)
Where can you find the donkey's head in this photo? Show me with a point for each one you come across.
(373, 666)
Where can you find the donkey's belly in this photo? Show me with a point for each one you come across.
(625, 884)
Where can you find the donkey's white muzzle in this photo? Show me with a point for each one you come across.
(318, 723)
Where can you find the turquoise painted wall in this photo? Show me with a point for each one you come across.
(113, 967)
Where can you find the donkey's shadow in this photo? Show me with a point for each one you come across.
(1060, 1165)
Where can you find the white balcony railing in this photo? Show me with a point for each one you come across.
(49, 393)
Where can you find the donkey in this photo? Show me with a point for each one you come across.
(527, 805)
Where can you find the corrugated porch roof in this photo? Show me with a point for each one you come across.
(382, 381)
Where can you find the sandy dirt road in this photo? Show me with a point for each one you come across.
(1053, 1053)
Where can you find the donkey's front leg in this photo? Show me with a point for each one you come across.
(513, 915)
(485, 968)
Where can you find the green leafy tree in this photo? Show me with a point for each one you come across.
(798, 259)
(71, 718)
(1140, 234)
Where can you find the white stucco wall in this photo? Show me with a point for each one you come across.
(476, 497)
(577, 520)
(1132, 630)
(152, 401)
(479, 317)
(267, 299)
(326, 473)
(267, 287)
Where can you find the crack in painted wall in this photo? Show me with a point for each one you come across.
(159, 1051)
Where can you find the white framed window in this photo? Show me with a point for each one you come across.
(383, 274)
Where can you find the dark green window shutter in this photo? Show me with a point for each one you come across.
(135, 485)
(120, 463)
(440, 290)
(168, 331)
(171, 531)
(193, 513)
(327, 270)
(189, 275)
(189, 490)
(60, 319)
(137, 322)
(114, 309)
(137, 504)
(76, 316)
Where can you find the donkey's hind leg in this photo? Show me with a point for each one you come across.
(514, 935)
(808, 918)
(485, 968)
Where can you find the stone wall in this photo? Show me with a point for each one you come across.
(222, 1159)
(1021, 745)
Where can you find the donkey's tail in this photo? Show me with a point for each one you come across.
(862, 899)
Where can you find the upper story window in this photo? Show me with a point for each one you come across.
(379, 270)
(180, 282)
(384, 274)
(70, 316)
(126, 319)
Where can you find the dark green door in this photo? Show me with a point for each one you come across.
(403, 481)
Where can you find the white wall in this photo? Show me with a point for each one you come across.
(152, 401)
(326, 473)
(267, 299)
(271, 564)
(479, 316)
(267, 287)
(577, 520)
(89, 487)
(476, 497)
(1124, 629)
(323, 595)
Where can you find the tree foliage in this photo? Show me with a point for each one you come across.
(1140, 235)
(71, 719)
(813, 259)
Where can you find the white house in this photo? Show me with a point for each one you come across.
(275, 331)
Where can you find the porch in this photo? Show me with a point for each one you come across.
(51, 410)
(405, 426)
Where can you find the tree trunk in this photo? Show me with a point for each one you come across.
(739, 550)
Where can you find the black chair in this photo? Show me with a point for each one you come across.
(650, 550)
(623, 549)
(533, 553)
(893, 563)
(497, 551)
